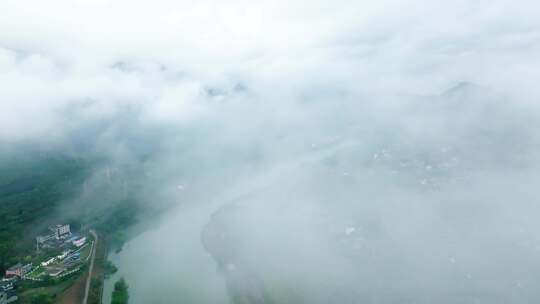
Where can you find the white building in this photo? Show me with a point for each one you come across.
(49, 261)
(7, 297)
(57, 232)
(6, 285)
(79, 242)
(56, 273)
(64, 254)
(61, 231)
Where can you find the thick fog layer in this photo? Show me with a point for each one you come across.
(306, 151)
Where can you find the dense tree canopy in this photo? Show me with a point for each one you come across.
(120, 293)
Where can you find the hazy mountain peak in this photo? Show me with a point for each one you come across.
(464, 88)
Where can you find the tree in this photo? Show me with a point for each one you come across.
(42, 299)
(120, 292)
(48, 280)
(109, 268)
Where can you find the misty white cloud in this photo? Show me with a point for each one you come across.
(59, 52)
(304, 116)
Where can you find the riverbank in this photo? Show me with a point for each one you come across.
(184, 271)
(97, 276)
(244, 287)
(76, 293)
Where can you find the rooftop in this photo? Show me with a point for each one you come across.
(5, 283)
(15, 267)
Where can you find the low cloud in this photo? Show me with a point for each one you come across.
(377, 152)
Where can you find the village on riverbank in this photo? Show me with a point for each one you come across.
(59, 255)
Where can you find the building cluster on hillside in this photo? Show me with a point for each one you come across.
(79, 242)
(58, 234)
(60, 237)
(7, 292)
(18, 270)
(13, 273)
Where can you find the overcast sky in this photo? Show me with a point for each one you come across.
(160, 56)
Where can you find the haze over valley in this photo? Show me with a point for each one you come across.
(250, 152)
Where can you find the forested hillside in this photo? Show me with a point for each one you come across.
(32, 186)
(39, 189)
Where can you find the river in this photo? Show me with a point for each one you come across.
(170, 262)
